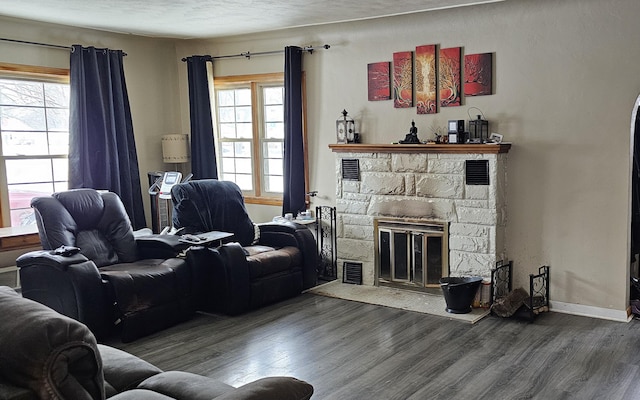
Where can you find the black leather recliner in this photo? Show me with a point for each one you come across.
(116, 281)
(266, 262)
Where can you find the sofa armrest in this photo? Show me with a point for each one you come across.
(53, 355)
(272, 388)
(70, 285)
(185, 385)
(287, 233)
(159, 246)
(49, 259)
(278, 234)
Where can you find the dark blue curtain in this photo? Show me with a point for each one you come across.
(203, 151)
(102, 150)
(294, 182)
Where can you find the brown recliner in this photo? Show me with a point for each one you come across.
(115, 281)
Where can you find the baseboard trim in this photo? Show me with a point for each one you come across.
(590, 311)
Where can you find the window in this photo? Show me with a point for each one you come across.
(34, 126)
(250, 133)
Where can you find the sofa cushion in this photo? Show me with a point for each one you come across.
(263, 263)
(53, 355)
(123, 371)
(185, 385)
(150, 295)
(146, 283)
(272, 388)
(140, 394)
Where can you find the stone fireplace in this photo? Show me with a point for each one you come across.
(460, 187)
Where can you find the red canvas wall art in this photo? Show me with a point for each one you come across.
(478, 72)
(403, 79)
(449, 73)
(426, 79)
(378, 76)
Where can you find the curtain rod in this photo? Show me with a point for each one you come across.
(54, 46)
(248, 55)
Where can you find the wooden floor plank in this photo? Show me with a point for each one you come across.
(351, 350)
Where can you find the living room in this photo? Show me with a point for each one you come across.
(553, 61)
(569, 168)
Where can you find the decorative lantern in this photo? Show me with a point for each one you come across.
(345, 129)
(478, 130)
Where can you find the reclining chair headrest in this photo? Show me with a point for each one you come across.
(85, 206)
(95, 222)
(212, 205)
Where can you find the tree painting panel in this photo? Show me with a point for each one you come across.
(426, 79)
(403, 79)
(378, 75)
(449, 71)
(478, 70)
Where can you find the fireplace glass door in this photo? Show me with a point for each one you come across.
(412, 255)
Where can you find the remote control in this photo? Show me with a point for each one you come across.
(66, 251)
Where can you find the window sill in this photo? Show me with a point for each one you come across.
(265, 201)
(23, 237)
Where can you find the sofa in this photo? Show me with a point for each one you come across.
(263, 264)
(46, 355)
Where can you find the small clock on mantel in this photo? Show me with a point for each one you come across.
(345, 128)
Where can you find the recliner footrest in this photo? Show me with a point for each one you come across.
(149, 295)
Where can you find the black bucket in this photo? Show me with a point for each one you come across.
(459, 292)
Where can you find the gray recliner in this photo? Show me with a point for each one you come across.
(45, 355)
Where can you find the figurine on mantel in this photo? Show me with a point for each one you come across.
(412, 136)
(438, 138)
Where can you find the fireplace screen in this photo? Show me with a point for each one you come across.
(411, 254)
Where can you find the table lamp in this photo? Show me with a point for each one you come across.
(175, 149)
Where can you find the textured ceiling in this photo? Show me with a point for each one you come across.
(212, 18)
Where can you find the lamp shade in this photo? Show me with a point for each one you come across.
(175, 148)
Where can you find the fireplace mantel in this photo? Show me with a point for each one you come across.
(422, 148)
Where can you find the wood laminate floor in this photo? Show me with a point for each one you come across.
(351, 350)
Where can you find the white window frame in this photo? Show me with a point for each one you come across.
(29, 73)
(255, 82)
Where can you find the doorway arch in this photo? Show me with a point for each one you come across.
(634, 225)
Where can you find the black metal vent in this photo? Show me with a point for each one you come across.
(350, 169)
(352, 273)
(477, 172)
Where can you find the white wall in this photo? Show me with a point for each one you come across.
(566, 78)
